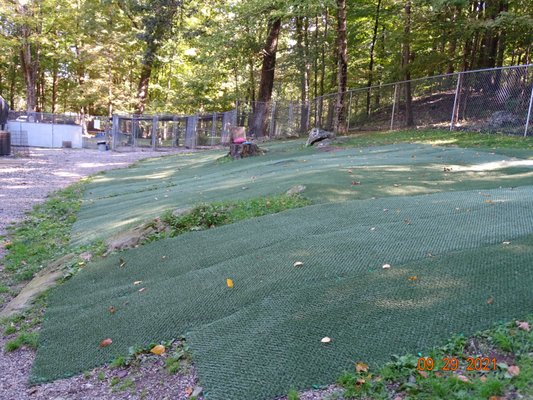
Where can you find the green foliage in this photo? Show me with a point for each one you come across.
(179, 360)
(205, 216)
(402, 377)
(440, 137)
(44, 235)
(24, 339)
(293, 395)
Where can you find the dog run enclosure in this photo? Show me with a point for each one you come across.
(492, 100)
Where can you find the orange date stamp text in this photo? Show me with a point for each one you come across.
(453, 364)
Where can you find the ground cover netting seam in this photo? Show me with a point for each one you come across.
(186, 293)
(123, 198)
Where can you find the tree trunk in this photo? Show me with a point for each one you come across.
(371, 62)
(303, 67)
(142, 89)
(260, 118)
(342, 69)
(406, 59)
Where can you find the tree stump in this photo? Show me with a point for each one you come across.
(243, 150)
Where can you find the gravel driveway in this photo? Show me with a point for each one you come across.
(25, 181)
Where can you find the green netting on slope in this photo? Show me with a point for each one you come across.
(273, 319)
(122, 198)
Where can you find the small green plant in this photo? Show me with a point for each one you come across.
(101, 376)
(205, 216)
(119, 362)
(24, 339)
(293, 395)
(114, 381)
(4, 289)
(179, 360)
(11, 329)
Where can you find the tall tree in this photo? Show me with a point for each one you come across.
(260, 120)
(406, 61)
(342, 69)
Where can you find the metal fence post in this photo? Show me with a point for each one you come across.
(393, 106)
(272, 119)
(114, 133)
(349, 111)
(155, 122)
(454, 110)
(529, 112)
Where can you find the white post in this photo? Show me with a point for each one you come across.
(454, 111)
(155, 122)
(115, 132)
(349, 111)
(393, 106)
(529, 112)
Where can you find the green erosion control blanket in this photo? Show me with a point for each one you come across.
(126, 197)
(262, 337)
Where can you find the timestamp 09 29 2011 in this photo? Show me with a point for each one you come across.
(453, 364)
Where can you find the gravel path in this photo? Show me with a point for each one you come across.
(24, 182)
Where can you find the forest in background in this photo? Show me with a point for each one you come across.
(100, 57)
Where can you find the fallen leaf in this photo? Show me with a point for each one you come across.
(142, 289)
(159, 349)
(396, 185)
(463, 378)
(137, 282)
(350, 171)
(188, 391)
(488, 201)
(407, 221)
(373, 229)
(298, 264)
(105, 342)
(122, 262)
(490, 300)
(413, 278)
(523, 325)
(229, 282)
(506, 243)
(386, 266)
(326, 339)
(163, 257)
(355, 183)
(423, 374)
(360, 381)
(483, 379)
(112, 309)
(361, 367)
(513, 370)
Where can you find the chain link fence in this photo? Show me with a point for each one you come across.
(492, 100)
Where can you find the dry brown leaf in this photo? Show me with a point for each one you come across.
(361, 367)
(298, 264)
(488, 201)
(229, 282)
(490, 300)
(159, 349)
(413, 278)
(326, 339)
(360, 381)
(463, 378)
(188, 391)
(386, 266)
(122, 262)
(112, 309)
(523, 325)
(354, 183)
(105, 342)
(423, 374)
(137, 282)
(513, 370)
(483, 379)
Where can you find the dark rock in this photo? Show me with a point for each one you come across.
(500, 119)
(316, 135)
(295, 190)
